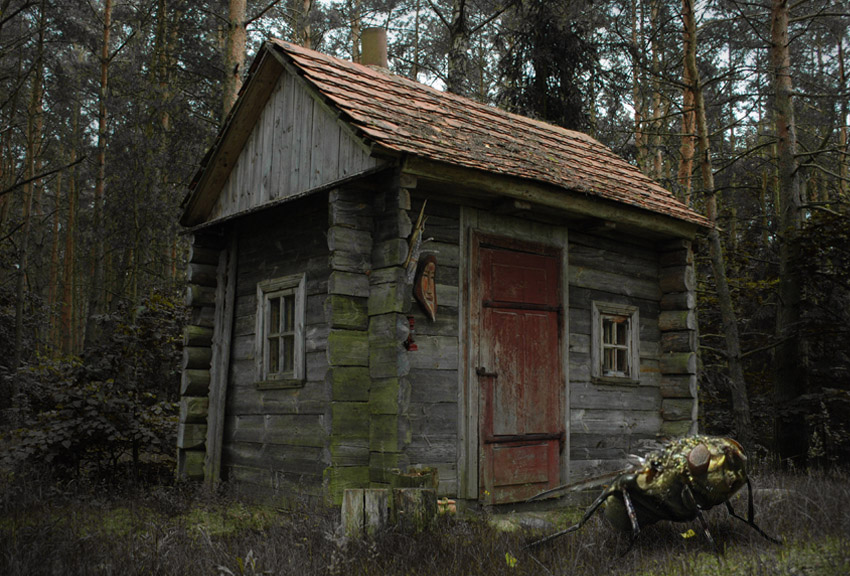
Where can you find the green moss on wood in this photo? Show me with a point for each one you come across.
(383, 396)
(347, 312)
(383, 433)
(350, 420)
(349, 383)
(348, 348)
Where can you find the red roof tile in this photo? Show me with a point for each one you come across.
(406, 116)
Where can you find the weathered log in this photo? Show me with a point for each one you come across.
(679, 363)
(203, 255)
(678, 279)
(678, 301)
(375, 510)
(675, 320)
(414, 509)
(201, 274)
(352, 512)
(191, 435)
(679, 386)
(677, 408)
(193, 409)
(680, 341)
(197, 335)
(196, 357)
(200, 295)
(195, 382)
(192, 464)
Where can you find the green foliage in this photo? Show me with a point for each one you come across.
(113, 408)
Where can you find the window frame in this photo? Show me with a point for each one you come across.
(599, 312)
(268, 290)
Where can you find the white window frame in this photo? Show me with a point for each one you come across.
(600, 312)
(267, 290)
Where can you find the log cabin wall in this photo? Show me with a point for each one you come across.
(433, 406)
(276, 437)
(608, 421)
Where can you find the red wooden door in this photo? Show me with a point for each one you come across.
(521, 423)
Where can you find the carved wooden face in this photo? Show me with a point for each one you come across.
(425, 288)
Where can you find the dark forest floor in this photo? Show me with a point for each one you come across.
(50, 528)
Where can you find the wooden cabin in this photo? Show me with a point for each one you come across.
(387, 278)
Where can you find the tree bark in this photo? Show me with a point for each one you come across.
(791, 376)
(234, 54)
(844, 151)
(737, 383)
(35, 120)
(97, 293)
(66, 318)
(458, 64)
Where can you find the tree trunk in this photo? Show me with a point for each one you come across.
(637, 84)
(458, 73)
(66, 318)
(791, 436)
(35, 120)
(844, 151)
(96, 296)
(737, 383)
(234, 54)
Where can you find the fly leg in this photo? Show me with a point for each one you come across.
(588, 513)
(749, 520)
(630, 510)
(690, 496)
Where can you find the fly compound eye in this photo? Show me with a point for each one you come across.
(698, 459)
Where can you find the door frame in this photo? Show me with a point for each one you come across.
(478, 225)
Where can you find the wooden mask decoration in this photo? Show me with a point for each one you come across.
(425, 287)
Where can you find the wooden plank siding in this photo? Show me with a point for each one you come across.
(434, 366)
(609, 421)
(297, 145)
(277, 438)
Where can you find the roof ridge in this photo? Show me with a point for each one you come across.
(407, 116)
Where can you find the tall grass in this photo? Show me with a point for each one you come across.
(47, 528)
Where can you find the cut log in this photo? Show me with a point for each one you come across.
(195, 382)
(197, 336)
(196, 357)
(414, 509)
(201, 274)
(200, 296)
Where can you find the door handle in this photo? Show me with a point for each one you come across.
(482, 372)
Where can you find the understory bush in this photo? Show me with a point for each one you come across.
(109, 413)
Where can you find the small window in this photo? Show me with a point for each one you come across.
(615, 349)
(280, 331)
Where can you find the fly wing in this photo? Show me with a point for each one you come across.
(587, 483)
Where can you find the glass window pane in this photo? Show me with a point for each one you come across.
(274, 316)
(274, 355)
(622, 332)
(623, 362)
(288, 353)
(609, 360)
(289, 313)
(607, 331)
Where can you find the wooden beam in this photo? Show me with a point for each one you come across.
(220, 363)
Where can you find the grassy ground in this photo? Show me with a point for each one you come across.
(53, 529)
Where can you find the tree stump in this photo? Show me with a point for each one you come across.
(414, 509)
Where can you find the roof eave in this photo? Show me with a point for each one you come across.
(550, 196)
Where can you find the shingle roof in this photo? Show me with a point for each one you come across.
(406, 116)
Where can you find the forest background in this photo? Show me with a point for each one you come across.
(740, 108)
